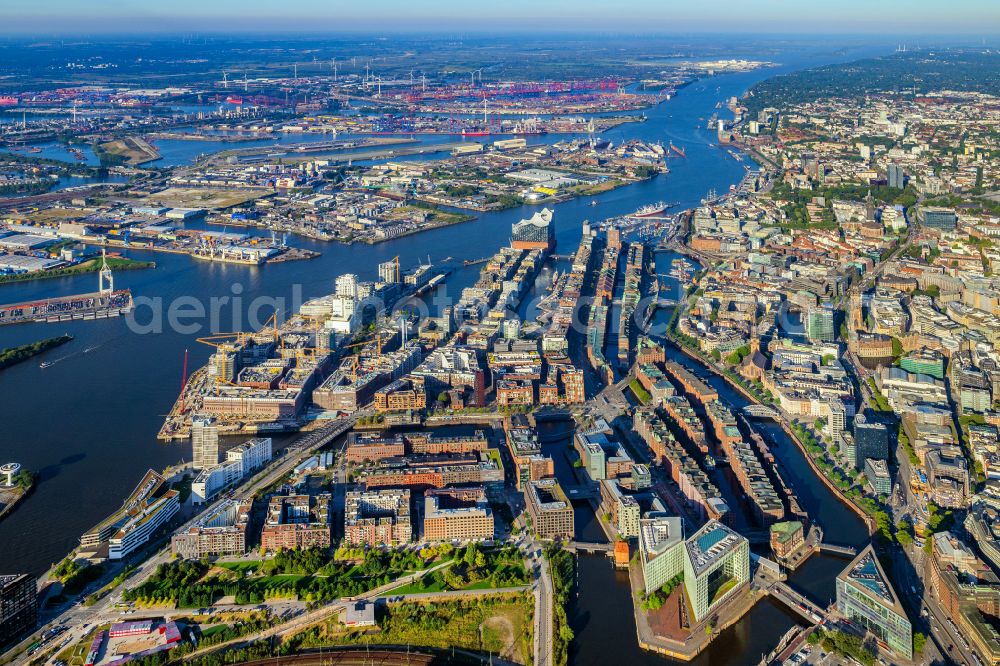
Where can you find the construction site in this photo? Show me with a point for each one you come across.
(285, 375)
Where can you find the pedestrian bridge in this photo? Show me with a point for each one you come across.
(847, 551)
(816, 536)
(761, 412)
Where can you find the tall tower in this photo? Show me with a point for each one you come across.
(105, 281)
(204, 442)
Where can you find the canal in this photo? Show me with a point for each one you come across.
(87, 425)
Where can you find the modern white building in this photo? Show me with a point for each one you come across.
(716, 565)
(141, 525)
(240, 461)
(661, 548)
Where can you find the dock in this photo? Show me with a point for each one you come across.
(97, 305)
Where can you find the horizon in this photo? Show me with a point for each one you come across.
(891, 18)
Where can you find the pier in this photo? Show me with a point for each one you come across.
(87, 307)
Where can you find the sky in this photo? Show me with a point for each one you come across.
(970, 17)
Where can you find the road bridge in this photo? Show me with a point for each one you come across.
(589, 547)
(797, 602)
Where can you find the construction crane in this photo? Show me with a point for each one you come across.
(224, 339)
(306, 353)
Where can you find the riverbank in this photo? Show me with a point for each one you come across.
(89, 266)
(15, 355)
(10, 497)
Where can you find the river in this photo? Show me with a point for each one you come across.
(87, 425)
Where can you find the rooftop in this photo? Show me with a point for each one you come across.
(659, 534)
(712, 543)
(866, 575)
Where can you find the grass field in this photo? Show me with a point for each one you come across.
(500, 624)
(251, 565)
(182, 197)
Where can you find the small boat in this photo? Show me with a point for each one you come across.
(45, 364)
(593, 202)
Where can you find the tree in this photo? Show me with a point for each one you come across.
(919, 641)
(904, 533)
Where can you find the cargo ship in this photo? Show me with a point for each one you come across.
(475, 132)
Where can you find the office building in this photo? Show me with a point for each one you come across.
(948, 480)
(865, 597)
(151, 505)
(871, 440)
(220, 532)
(623, 509)
(376, 518)
(297, 521)
(213, 480)
(592, 453)
(204, 442)
(935, 217)
(716, 566)
(895, 176)
(252, 454)
(549, 509)
(18, 606)
(389, 272)
(924, 362)
(661, 549)
(346, 285)
(877, 473)
(535, 233)
(240, 462)
(457, 513)
(819, 324)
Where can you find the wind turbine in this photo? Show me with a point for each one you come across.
(225, 79)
